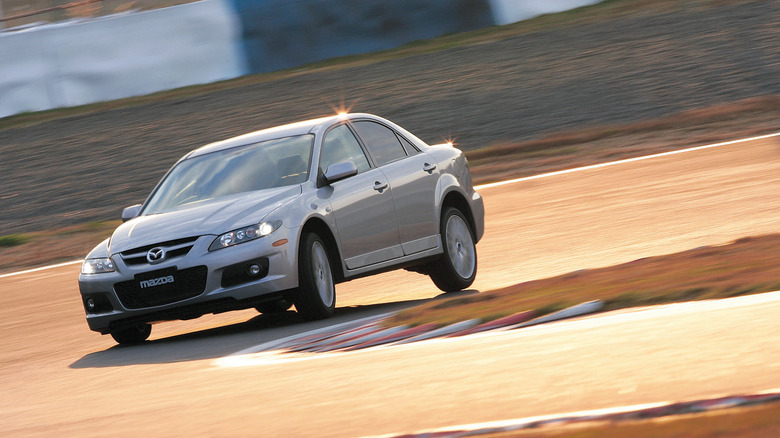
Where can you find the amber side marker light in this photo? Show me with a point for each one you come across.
(279, 242)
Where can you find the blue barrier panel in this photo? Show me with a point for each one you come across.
(279, 34)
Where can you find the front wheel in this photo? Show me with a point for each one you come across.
(457, 267)
(316, 297)
(134, 334)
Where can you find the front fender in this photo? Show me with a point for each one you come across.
(100, 251)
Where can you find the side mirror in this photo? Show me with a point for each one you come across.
(130, 212)
(339, 171)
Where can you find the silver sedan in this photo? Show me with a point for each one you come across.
(279, 217)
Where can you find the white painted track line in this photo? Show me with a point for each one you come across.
(516, 180)
(28, 271)
(627, 160)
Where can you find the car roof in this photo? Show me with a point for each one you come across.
(289, 130)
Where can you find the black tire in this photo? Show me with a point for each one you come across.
(456, 269)
(132, 334)
(277, 306)
(316, 297)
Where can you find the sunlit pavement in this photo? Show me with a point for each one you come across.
(59, 378)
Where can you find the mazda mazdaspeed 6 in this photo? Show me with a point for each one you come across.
(279, 217)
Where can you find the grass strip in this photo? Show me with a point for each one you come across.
(14, 240)
(600, 144)
(746, 266)
(684, 119)
(29, 250)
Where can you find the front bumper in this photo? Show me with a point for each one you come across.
(192, 285)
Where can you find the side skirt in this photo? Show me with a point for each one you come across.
(397, 263)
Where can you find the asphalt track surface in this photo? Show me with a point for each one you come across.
(57, 377)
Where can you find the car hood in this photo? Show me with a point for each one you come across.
(212, 217)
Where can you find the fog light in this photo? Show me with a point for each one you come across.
(254, 270)
(91, 304)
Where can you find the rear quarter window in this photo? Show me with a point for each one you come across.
(382, 142)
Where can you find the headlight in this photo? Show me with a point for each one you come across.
(97, 266)
(245, 234)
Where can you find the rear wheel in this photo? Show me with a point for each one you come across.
(134, 334)
(457, 267)
(316, 297)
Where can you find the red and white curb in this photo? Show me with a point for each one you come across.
(623, 413)
(578, 310)
(372, 332)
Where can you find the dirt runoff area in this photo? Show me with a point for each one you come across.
(587, 80)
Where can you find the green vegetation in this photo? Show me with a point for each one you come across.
(14, 240)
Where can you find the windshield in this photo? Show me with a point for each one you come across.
(264, 165)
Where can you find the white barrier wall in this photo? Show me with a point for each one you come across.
(71, 64)
(75, 63)
(510, 11)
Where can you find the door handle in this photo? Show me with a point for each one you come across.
(379, 186)
(429, 167)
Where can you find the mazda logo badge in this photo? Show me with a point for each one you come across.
(155, 255)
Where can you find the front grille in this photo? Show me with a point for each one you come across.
(187, 283)
(173, 249)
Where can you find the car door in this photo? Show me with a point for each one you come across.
(413, 176)
(362, 205)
